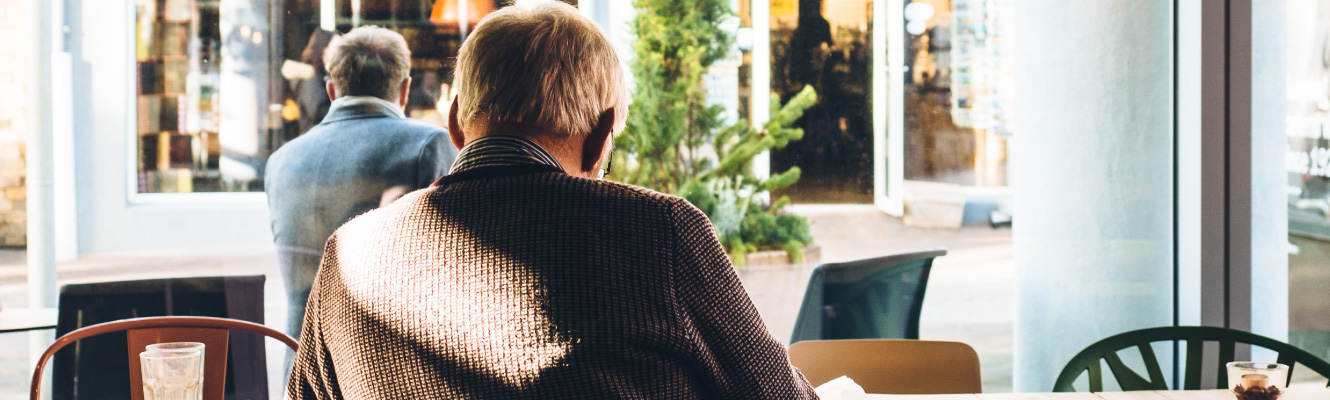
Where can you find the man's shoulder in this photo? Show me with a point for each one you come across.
(418, 126)
(644, 194)
(332, 132)
(631, 196)
(382, 126)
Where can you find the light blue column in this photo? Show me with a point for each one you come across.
(1092, 159)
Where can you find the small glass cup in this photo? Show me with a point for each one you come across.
(174, 346)
(174, 374)
(182, 346)
(1257, 380)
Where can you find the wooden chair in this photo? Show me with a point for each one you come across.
(100, 365)
(140, 332)
(891, 366)
(1089, 360)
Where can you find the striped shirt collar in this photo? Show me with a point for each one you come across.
(502, 150)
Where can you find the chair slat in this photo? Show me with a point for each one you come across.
(1286, 358)
(1195, 352)
(1152, 366)
(1096, 377)
(1128, 379)
(1227, 349)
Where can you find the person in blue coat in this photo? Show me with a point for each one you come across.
(364, 154)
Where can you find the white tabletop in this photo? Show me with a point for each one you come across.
(1295, 393)
(26, 319)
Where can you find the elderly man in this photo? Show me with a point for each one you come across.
(520, 275)
(365, 153)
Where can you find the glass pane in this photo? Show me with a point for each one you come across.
(224, 83)
(1092, 254)
(956, 87)
(1307, 162)
(826, 45)
(1092, 177)
(179, 67)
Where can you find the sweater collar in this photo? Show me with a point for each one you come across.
(502, 150)
(356, 107)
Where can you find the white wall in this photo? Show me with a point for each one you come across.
(104, 124)
(1093, 154)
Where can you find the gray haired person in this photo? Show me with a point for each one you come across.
(521, 274)
(364, 154)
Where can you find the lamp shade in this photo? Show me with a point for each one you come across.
(452, 12)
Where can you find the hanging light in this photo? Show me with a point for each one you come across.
(467, 13)
(916, 17)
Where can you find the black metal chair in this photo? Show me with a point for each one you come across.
(99, 367)
(876, 298)
(1106, 352)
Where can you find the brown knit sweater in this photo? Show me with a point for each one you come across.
(522, 282)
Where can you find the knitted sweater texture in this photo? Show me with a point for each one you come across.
(523, 282)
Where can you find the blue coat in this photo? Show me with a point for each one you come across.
(340, 169)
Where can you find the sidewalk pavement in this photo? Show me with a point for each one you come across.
(969, 299)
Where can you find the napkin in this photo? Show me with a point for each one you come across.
(842, 388)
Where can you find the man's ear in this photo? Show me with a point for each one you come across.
(454, 128)
(332, 90)
(593, 149)
(404, 92)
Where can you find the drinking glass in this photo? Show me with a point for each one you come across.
(176, 346)
(173, 374)
(1257, 380)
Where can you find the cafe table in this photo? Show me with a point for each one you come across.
(1294, 393)
(27, 319)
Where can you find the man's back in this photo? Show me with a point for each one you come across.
(524, 282)
(342, 168)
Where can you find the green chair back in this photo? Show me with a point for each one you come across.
(1089, 360)
(876, 298)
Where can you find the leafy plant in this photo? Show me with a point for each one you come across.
(679, 144)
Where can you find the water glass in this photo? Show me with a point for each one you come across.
(178, 346)
(172, 374)
(1257, 380)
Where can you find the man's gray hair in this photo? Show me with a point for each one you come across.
(370, 61)
(542, 66)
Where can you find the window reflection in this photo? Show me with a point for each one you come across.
(955, 125)
(1308, 164)
(224, 83)
(826, 44)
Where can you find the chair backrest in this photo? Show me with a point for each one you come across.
(141, 332)
(891, 366)
(101, 367)
(876, 298)
(1089, 360)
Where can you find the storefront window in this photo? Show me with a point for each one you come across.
(224, 83)
(178, 65)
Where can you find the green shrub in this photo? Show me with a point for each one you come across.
(678, 144)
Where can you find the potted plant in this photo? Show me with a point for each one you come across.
(677, 143)
(680, 145)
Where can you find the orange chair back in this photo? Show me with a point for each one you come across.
(891, 366)
(141, 332)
